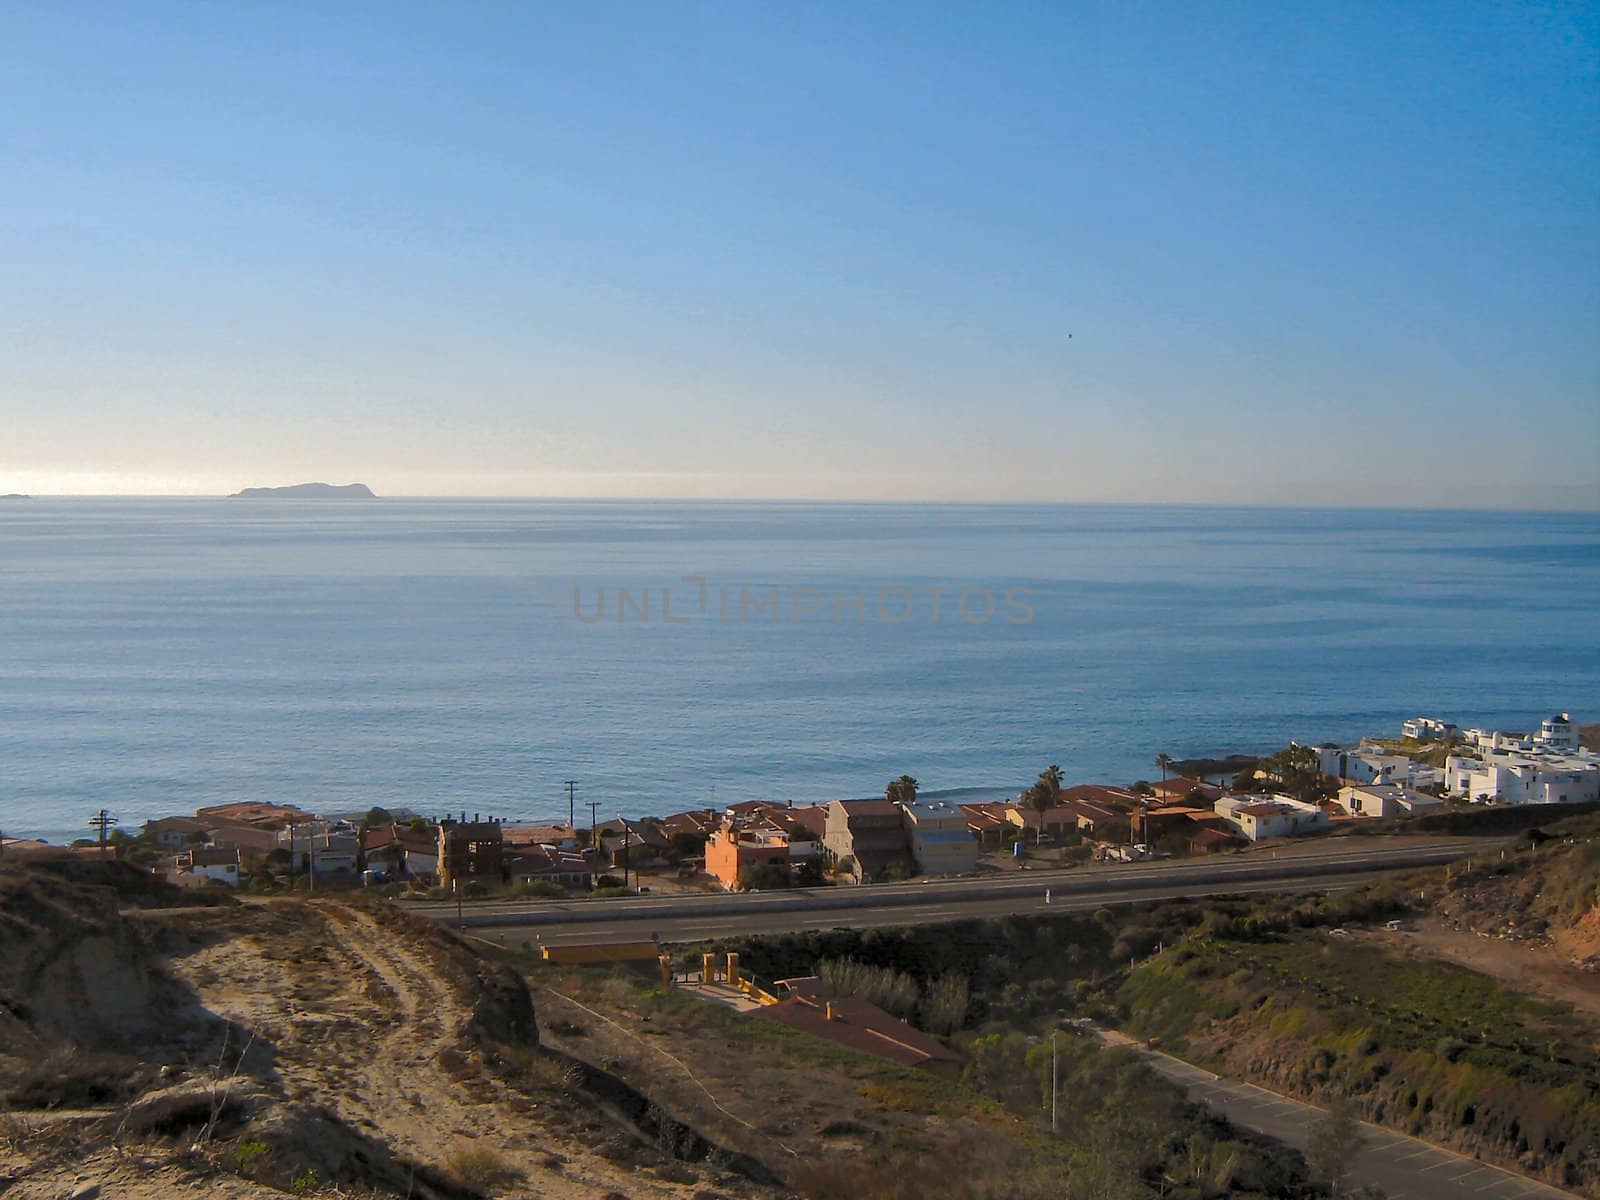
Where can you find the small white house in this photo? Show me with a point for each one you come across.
(1385, 800)
(1261, 817)
(1428, 729)
(207, 863)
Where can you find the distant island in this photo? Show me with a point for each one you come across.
(308, 491)
(16, 496)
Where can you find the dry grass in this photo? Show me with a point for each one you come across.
(480, 1169)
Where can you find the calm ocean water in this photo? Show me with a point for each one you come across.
(160, 655)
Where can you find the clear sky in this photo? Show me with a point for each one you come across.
(1244, 253)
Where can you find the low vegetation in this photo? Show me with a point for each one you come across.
(1435, 1050)
(1286, 991)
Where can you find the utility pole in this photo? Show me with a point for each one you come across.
(572, 804)
(594, 836)
(103, 821)
(627, 845)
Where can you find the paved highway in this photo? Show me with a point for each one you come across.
(1326, 865)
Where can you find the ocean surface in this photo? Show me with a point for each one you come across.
(159, 655)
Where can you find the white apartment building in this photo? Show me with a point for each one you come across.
(1506, 775)
(1547, 767)
(1363, 765)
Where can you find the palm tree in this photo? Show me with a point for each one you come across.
(1045, 794)
(902, 790)
(1164, 761)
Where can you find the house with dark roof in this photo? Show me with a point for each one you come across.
(253, 839)
(866, 840)
(174, 833)
(697, 821)
(1179, 787)
(562, 837)
(987, 822)
(406, 851)
(206, 863)
(546, 864)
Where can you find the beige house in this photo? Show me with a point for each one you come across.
(941, 841)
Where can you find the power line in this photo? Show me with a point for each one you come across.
(103, 821)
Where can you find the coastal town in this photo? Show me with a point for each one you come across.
(1197, 807)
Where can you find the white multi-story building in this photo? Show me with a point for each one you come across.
(1511, 775)
(1547, 767)
(1557, 732)
(1428, 729)
(1366, 765)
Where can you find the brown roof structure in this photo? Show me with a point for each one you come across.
(1097, 794)
(858, 1024)
(242, 836)
(256, 812)
(698, 821)
(1179, 786)
(538, 835)
(813, 818)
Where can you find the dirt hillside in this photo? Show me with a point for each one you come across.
(150, 1048)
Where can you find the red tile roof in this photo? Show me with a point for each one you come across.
(1094, 793)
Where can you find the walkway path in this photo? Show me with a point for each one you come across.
(1406, 1168)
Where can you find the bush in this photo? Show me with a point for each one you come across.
(545, 889)
(608, 881)
(247, 1157)
(893, 991)
(480, 1169)
(945, 1007)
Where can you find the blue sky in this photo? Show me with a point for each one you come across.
(1238, 253)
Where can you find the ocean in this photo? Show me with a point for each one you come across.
(160, 655)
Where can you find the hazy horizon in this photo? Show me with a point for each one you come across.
(574, 498)
(1333, 257)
